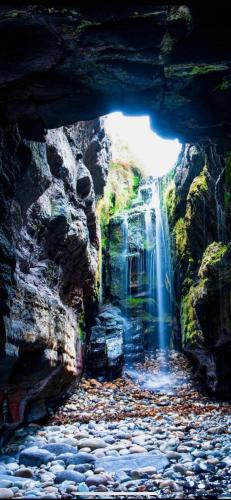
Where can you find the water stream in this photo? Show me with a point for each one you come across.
(146, 264)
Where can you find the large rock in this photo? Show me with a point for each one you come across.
(48, 253)
(105, 350)
(134, 461)
(199, 213)
(34, 457)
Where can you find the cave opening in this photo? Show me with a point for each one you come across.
(136, 278)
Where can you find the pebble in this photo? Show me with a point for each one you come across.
(6, 493)
(80, 455)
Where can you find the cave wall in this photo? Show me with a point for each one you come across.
(198, 203)
(48, 248)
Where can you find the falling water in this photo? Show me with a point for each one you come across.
(125, 273)
(158, 261)
(162, 267)
(100, 268)
(145, 273)
(221, 223)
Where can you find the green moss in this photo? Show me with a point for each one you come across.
(191, 333)
(134, 301)
(211, 257)
(204, 69)
(170, 200)
(84, 24)
(180, 237)
(224, 85)
(121, 189)
(199, 185)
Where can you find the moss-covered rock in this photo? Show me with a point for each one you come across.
(190, 327)
(180, 238)
(170, 201)
(212, 259)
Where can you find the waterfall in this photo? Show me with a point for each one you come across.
(125, 262)
(162, 267)
(100, 268)
(140, 272)
(220, 212)
(158, 261)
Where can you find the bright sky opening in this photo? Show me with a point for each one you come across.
(156, 155)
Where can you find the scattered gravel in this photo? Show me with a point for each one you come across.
(169, 440)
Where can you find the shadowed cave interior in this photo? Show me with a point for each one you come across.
(115, 278)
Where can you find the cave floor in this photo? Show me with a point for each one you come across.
(142, 433)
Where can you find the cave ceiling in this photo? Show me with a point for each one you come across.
(63, 62)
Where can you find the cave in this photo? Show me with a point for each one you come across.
(115, 284)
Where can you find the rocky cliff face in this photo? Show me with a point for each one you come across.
(198, 201)
(48, 248)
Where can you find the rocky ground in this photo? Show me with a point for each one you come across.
(142, 433)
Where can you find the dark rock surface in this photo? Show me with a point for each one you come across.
(48, 249)
(62, 64)
(105, 349)
(199, 212)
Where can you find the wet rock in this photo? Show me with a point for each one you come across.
(6, 493)
(28, 473)
(59, 449)
(96, 480)
(105, 353)
(134, 461)
(68, 475)
(34, 457)
(92, 443)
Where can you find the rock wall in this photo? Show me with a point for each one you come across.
(198, 202)
(48, 262)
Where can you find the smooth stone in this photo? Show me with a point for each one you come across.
(14, 479)
(227, 460)
(12, 467)
(173, 455)
(143, 471)
(81, 458)
(6, 493)
(6, 459)
(134, 461)
(69, 475)
(124, 452)
(96, 480)
(82, 467)
(59, 449)
(137, 449)
(5, 483)
(34, 456)
(92, 443)
(24, 473)
(140, 439)
(82, 488)
(179, 468)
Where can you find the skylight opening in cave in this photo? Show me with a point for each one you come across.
(133, 139)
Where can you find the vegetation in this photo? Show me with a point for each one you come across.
(227, 193)
(180, 237)
(199, 185)
(170, 200)
(212, 256)
(204, 69)
(191, 332)
(121, 189)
